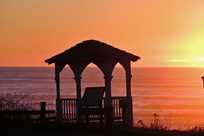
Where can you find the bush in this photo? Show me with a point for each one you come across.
(13, 107)
(14, 102)
(156, 124)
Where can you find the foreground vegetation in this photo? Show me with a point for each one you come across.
(57, 129)
(25, 126)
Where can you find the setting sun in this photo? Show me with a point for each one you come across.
(193, 53)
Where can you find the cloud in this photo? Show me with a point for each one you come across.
(178, 60)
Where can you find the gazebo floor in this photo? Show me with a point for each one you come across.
(94, 124)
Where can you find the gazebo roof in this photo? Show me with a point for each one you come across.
(90, 51)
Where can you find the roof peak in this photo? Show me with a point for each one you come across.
(92, 41)
(92, 50)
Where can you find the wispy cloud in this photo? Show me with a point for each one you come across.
(198, 59)
(178, 60)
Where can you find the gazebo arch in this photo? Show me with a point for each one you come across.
(119, 75)
(105, 57)
(89, 75)
(67, 83)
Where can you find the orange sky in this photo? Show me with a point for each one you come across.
(162, 32)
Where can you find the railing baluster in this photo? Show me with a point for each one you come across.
(117, 109)
(69, 108)
(66, 109)
(75, 109)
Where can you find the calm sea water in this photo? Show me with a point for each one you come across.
(175, 94)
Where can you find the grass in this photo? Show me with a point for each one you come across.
(64, 129)
(20, 127)
(57, 129)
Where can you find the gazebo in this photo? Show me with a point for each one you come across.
(105, 57)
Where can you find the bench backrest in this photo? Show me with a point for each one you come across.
(93, 96)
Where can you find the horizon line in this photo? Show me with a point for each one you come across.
(199, 67)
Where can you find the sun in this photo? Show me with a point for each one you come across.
(190, 50)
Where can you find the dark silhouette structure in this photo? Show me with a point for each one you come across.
(92, 104)
(105, 57)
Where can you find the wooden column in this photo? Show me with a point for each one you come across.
(57, 80)
(77, 69)
(58, 101)
(78, 88)
(108, 102)
(129, 109)
(58, 69)
(128, 81)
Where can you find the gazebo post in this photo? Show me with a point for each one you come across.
(58, 101)
(78, 86)
(78, 89)
(58, 69)
(77, 69)
(129, 116)
(108, 101)
(57, 80)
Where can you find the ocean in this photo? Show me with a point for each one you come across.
(176, 95)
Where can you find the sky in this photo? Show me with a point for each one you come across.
(162, 32)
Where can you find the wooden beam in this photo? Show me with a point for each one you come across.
(58, 69)
(108, 102)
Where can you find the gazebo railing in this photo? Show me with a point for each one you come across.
(117, 104)
(69, 108)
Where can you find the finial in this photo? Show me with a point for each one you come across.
(203, 80)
